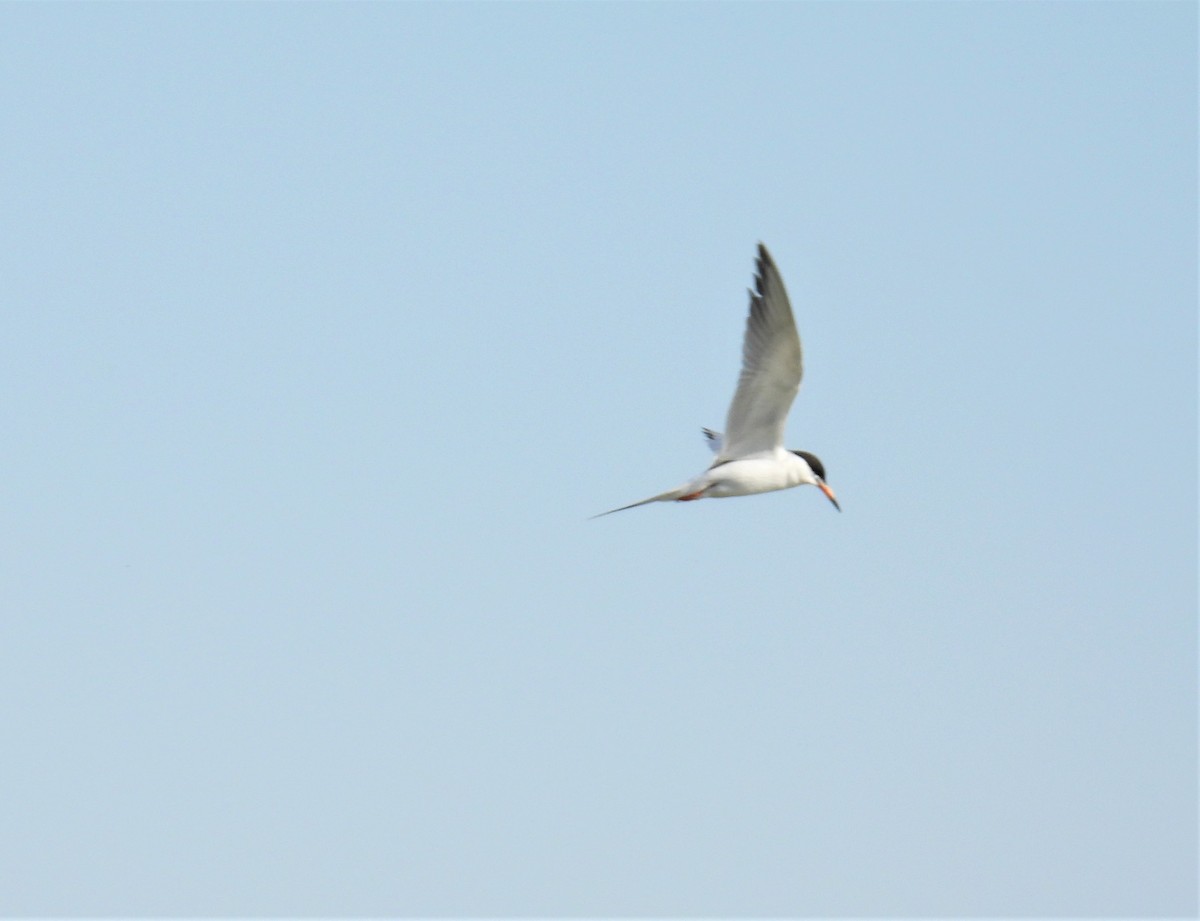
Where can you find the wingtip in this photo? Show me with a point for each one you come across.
(764, 265)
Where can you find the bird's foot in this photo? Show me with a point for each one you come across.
(690, 497)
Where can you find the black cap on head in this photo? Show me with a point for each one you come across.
(813, 462)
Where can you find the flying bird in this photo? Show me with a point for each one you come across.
(750, 456)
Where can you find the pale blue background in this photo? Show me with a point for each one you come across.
(325, 327)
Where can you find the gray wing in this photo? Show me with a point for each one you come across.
(713, 440)
(771, 368)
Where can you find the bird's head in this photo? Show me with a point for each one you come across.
(818, 471)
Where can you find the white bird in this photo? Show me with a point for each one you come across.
(751, 457)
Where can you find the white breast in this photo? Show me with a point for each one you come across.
(778, 470)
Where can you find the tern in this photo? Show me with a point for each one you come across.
(751, 457)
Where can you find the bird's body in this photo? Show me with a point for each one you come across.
(766, 472)
(750, 455)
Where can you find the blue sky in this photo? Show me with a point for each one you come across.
(327, 326)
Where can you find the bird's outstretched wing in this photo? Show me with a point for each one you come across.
(771, 368)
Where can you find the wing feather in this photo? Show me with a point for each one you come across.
(772, 366)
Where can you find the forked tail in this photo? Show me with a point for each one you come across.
(667, 496)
